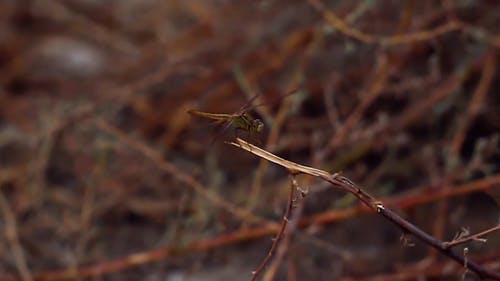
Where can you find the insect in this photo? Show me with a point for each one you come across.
(240, 120)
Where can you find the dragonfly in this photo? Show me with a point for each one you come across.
(241, 120)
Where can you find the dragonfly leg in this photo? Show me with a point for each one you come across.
(239, 132)
(252, 137)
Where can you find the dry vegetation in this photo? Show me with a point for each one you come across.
(104, 175)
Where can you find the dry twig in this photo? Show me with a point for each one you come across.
(472, 237)
(279, 235)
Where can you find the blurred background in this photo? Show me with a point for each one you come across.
(105, 176)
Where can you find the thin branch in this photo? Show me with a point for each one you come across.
(294, 168)
(423, 105)
(279, 235)
(472, 237)
(476, 102)
(380, 77)
(292, 226)
(13, 238)
(339, 181)
(408, 38)
(343, 26)
(386, 66)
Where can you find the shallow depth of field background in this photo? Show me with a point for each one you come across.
(104, 175)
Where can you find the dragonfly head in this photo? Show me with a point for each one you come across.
(258, 125)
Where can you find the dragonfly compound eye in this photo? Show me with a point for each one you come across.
(259, 126)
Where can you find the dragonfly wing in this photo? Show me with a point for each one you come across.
(248, 105)
(279, 98)
(222, 130)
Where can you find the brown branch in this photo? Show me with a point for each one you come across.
(285, 245)
(344, 183)
(407, 201)
(280, 233)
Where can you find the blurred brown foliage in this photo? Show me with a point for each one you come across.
(99, 159)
